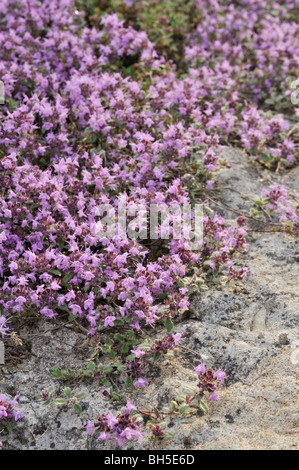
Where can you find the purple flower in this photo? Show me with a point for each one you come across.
(214, 397)
(200, 369)
(220, 375)
(177, 338)
(104, 436)
(138, 352)
(129, 407)
(111, 420)
(48, 312)
(3, 412)
(140, 383)
(89, 427)
(109, 321)
(3, 327)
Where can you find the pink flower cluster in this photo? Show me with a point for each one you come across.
(8, 412)
(279, 206)
(208, 379)
(243, 53)
(135, 368)
(77, 132)
(120, 428)
(165, 344)
(7, 409)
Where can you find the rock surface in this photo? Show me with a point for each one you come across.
(251, 329)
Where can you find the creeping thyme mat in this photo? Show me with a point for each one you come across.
(118, 103)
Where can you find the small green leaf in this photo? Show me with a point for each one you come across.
(59, 401)
(55, 271)
(106, 383)
(265, 157)
(9, 428)
(168, 325)
(114, 397)
(157, 356)
(119, 337)
(203, 407)
(129, 382)
(68, 277)
(131, 357)
(133, 342)
(183, 408)
(68, 392)
(77, 408)
(130, 334)
(81, 396)
(91, 366)
(125, 349)
(55, 372)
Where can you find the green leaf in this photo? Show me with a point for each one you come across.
(81, 396)
(129, 382)
(203, 407)
(130, 334)
(180, 398)
(183, 408)
(131, 357)
(108, 369)
(55, 372)
(60, 243)
(55, 271)
(132, 342)
(68, 392)
(59, 401)
(9, 428)
(265, 157)
(68, 277)
(157, 356)
(119, 337)
(106, 383)
(125, 349)
(64, 308)
(168, 325)
(91, 366)
(77, 408)
(114, 397)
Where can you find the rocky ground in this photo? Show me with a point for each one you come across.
(251, 329)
